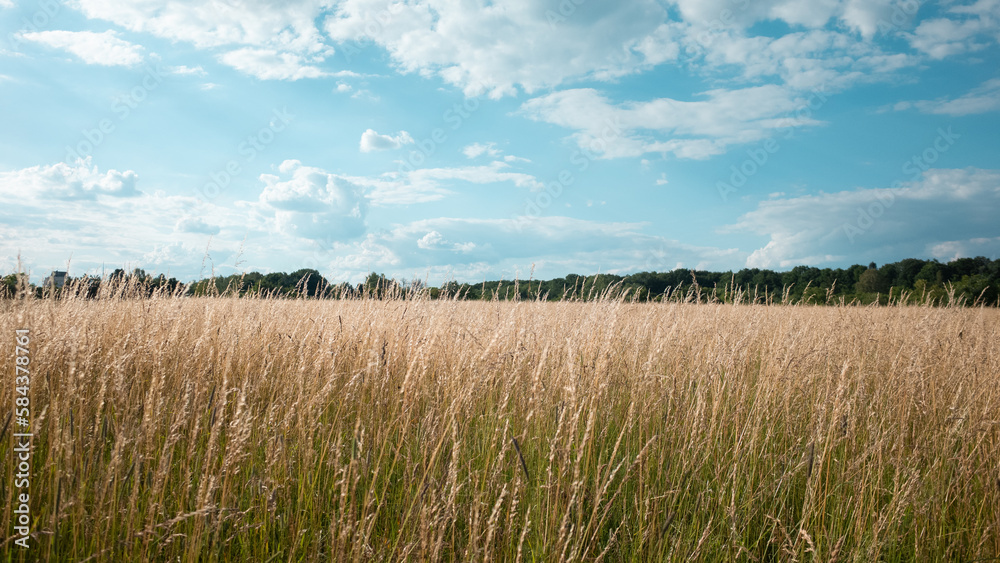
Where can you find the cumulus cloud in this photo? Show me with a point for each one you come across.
(274, 41)
(605, 41)
(594, 39)
(280, 25)
(371, 141)
(104, 48)
(831, 44)
(955, 249)
(311, 203)
(944, 206)
(944, 37)
(569, 41)
(62, 181)
(55, 211)
(967, 28)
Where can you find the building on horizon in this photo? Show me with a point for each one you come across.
(56, 279)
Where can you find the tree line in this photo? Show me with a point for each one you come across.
(965, 280)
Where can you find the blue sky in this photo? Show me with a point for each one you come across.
(470, 140)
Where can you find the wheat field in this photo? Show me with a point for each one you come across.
(225, 429)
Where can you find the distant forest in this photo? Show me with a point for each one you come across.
(969, 281)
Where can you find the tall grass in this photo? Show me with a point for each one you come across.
(219, 429)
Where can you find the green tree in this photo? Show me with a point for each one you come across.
(932, 273)
(8, 286)
(308, 281)
(872, 281)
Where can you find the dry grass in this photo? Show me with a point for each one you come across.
(213, 429)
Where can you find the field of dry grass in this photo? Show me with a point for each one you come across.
(218, 429)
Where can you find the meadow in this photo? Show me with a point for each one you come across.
(250, 429)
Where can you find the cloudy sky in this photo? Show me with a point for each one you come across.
(472, 139)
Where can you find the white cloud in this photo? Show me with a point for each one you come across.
(943, 37)
(862, 16)
(98, 216)
(868, 17)
(421, 185)
(688, 129)
(286, 26)
(815, 59)
(195, 225)
(478, 149)
(944, 204)
(187, 70)
(604, 41)
(598, 39)
(365, 95)
(273, 41)
(57, 211)
(493, 248)
(435, 241)
(569, 41)
(432, 239)
(313, 204)
(371, 140)
(494, 172)
(982, 99)
(92, 48)
(968, 27)
(662, 180)
(955, 249)
(63, 181)
(269, 64)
